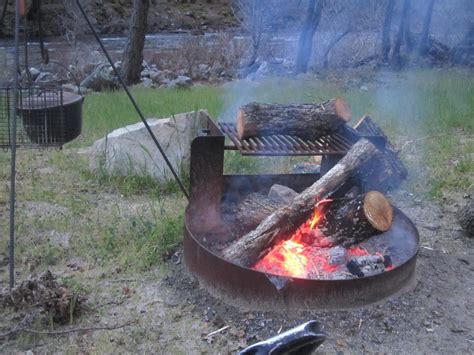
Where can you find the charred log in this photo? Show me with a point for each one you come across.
(387, 171)
(256, 207)
(351, 222)
(277, 226)
(368, 265)
(253, 210)
(303, 120)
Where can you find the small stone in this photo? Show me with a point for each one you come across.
(181, 82)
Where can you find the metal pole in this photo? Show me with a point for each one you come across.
(13, 110)
(132, 100)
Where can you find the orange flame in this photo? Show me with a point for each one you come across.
(286, 258)
(317, 216)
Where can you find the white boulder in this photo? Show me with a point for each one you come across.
(130, 150)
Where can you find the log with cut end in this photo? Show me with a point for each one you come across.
(387, 171)
(280, 224)
(302, 120)
(350, 222)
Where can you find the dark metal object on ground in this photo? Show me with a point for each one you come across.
(211, 189)
(301, 340)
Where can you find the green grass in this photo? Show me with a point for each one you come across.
(107, 111)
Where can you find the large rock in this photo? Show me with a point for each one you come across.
(131, 151)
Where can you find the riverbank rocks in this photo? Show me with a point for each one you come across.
(181, 82)
(131, 151)
(102, 78)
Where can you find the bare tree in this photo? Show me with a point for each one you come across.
(396, 58)
(133, 55)
(423, 47)
(331, 46)
(386, 29)
(305, 41)
(254, 16)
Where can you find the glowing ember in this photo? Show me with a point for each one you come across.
(309, 253)
(286, 258)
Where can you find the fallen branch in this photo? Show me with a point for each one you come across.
(217, 331)
(65, 331)
(422, 139)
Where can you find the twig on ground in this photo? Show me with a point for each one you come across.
(421, 139)
(19, 328)
(217, 331)
(114, 303)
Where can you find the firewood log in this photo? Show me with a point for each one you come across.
(256, 207)
(350, 222)
(247, 250)
(302, 120)
(387, 171)
(253, 210)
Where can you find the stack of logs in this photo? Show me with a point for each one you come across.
(367, 169)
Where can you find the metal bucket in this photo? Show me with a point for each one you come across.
(51, 117)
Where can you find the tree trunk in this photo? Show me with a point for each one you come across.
(280, 224)
(396, 58)
(133, 55)
(331, 46)
(2, 16)
(409, 41)
(353, 221)
(305, 41)
(426, 29)
(386, 29)
(387, 170)
(302, 120)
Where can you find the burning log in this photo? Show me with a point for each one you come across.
(248, 249)
(351, 222)
(302, 120)
(387, 171)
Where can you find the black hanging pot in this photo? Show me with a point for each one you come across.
(51, 117)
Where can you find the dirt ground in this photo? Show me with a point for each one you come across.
(172, 314)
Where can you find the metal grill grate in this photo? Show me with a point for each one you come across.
(40, 116)
(281, 145)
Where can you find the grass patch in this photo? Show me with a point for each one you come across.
(107, 111)
(144, 239)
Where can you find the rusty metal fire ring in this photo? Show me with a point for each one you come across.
(251, 289)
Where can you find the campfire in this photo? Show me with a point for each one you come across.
(312, 252)
(249, 235)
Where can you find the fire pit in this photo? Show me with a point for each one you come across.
(354, 276)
